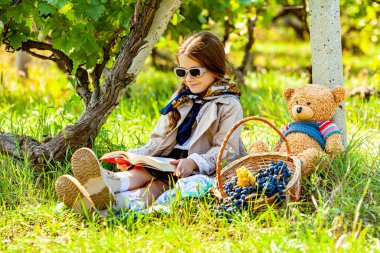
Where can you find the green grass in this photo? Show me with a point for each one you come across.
(338, 212)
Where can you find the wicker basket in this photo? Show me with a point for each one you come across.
(256, 162)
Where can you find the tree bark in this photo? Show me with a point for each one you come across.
(242, 69)
(227, 25)
(22, 60)
(144, 33)
(305, 26)
(161, 61)
(299, 25)
(326, 50)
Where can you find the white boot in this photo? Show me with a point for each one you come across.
(87, 170)
(101, 184)
(73, 194)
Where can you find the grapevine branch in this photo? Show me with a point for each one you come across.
(63, 60)
(56, 56)
(289, 10)
(227, 25)
(300, 12)
(135, 17)
(82, 85)
(106, 56)
(5, 30)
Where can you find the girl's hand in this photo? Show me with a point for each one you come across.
(184, 167)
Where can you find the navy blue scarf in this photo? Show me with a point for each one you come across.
(217, 89)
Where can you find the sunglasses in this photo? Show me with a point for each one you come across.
(194, 72)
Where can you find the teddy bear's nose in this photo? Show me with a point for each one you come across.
(299, 109)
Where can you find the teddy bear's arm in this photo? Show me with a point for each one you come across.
(334, 144)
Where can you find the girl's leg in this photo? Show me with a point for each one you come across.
(137, 178)
(141, 197)
(101, 183)
(154, 190)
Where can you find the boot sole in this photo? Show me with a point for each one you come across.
(86, 169)
(73, 194)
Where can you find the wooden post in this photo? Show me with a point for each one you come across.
(326, 51)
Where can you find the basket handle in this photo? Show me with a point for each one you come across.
(224, 143)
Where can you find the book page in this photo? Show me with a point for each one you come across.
(159, 163)
(118, 157)
(117, 154)
(126, 158)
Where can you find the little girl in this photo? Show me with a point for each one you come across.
(191, 130)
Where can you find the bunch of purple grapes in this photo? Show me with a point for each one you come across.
(269, 182)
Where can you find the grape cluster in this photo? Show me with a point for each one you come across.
(269, 182)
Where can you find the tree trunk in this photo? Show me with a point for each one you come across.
(227, 25)
(22, 60)
(295, 16)
(161, 61)
(144, 33)
(326, 49)
(242, 69)
(305, 26)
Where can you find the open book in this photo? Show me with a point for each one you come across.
(152, 162)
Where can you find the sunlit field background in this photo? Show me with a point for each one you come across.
(338, 211)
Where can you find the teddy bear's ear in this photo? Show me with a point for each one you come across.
(288, 93)
(339, 94)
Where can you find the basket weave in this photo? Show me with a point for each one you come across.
(256, 162)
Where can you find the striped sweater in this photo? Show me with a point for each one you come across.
(319, 131)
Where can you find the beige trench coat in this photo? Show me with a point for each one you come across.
(214, 120)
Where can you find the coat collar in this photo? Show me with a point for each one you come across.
(185, 109)
(208, 115)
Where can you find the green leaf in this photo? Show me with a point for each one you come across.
(74, 99)
(244, 2)
(73, 81)
(16, 40)
(79, 8)
(202, 19)
(77, 61)
(57, 3)
(63, 43)
(70, 15)
(4, 2)
(174, 19)
(45, 9)
(91, 61)
(95, 10)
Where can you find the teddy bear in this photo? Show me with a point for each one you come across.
(313, 138)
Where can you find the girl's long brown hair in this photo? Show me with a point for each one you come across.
(205, 48)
